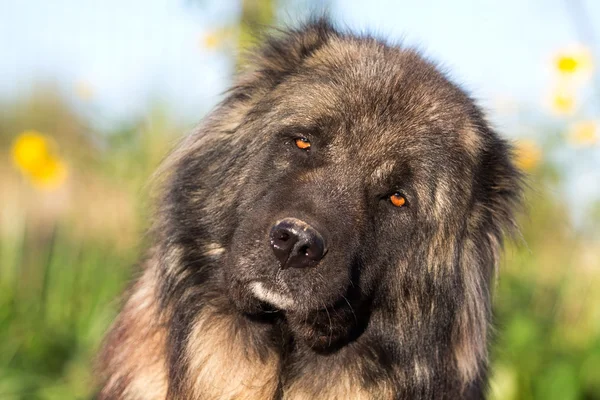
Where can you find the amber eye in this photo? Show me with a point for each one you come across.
(397, 199)
(302, 143)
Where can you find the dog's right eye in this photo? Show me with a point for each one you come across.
(302, 143)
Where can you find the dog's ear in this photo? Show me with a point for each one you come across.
(497, 198)
(279, 56)
(501, 187)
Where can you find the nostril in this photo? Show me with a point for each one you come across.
(304, 250)
(314, 250)
(296, 244)
(282, 239)
(282, 236)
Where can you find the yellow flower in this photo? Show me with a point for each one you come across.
(574, 62)
(527, 154)
(50, 176)
(217, 38)
(212, 40)
(563, 101)
(84, 90)
(583, 133)
(35, 156)
(30, 150)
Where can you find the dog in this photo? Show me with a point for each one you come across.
(331, 230)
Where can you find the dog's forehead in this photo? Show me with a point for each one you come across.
(371, 92)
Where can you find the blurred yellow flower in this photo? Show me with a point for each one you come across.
(50, 176)
(563, 101)
(35, 156)
(583, 133)
(212, 40)
(30, 150)
(527, 154)
(217, 38)
(574, 62)
(84, 90)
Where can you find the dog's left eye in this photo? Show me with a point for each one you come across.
(398, 199)
(302, 143)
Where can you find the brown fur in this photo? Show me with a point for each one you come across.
(133, 360)
(399, 308)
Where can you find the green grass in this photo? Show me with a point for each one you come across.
(53, 312)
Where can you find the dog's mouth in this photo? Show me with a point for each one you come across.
(323, 328)
(271, 295)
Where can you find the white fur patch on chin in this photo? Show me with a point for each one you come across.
(276, 299)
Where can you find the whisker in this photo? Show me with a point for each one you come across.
(330, 325)
(351, 309)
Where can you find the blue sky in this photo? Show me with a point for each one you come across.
(130, 51)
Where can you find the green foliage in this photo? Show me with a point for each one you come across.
(66, 255)
(548, 327)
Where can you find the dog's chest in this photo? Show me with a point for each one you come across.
(227, 365)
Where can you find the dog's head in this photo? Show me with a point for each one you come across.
(341, 172)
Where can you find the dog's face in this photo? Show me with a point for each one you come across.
(363, 155)
(350, 176)
(345, 181)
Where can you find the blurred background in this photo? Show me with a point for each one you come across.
(93, 94)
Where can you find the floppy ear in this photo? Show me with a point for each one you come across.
(497, 198)
(501, 186)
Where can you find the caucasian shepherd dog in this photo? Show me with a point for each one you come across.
(330, 231)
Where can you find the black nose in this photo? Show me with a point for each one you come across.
(296, 244)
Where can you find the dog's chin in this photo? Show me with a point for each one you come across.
(323, 329)
(277, 296)
(270, 295)
(256, 298)
(259, 295)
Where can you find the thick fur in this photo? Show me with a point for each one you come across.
(399, 308)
